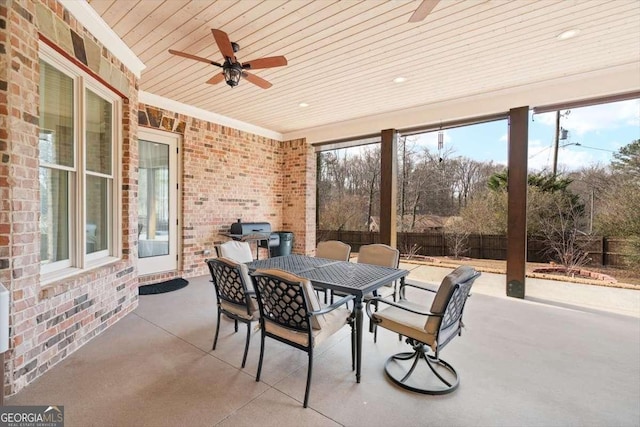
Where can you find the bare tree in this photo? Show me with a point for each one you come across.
(457, 236)
(560, 231)
(406, 172)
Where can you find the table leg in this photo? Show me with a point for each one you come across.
(357, 305)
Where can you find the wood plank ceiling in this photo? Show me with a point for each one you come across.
(344, 55)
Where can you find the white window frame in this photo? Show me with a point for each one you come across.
(79, 260)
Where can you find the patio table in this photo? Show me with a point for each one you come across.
(356, 279)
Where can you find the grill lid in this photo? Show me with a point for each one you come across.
(244, 228)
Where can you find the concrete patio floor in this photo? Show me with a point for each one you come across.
(562, 357)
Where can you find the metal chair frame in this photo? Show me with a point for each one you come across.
(231, 286)
(270, 290)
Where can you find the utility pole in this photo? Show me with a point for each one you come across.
(556, 143)
(561, 134)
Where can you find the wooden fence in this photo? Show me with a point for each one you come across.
(602, 250)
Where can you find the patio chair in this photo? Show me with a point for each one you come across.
(234, 298)
(290, 313)
(332, 249)
(384, 256)
(237, 251)
(426, 329)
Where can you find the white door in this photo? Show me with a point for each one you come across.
(157, 201)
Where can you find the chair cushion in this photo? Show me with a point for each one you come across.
(334, 320)
(333, 249)
(237, 251)
(459, 275)
(241, 310)
(439, 305)
(411, 324)
(404, 322)
(379, 254)
(317, 322)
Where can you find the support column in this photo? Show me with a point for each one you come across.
(517, 203)
(388, 186)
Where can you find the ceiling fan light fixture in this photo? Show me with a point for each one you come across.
(232, 74)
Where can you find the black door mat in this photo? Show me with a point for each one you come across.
(162, 287)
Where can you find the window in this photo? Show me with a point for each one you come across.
(79, 129)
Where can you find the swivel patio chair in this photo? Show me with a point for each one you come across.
(426, 329)
(290, 313)
(332, 249)
(234, 298)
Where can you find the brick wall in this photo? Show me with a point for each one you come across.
(299, 198)
(226, 174)
(49, 322)
(229, 174)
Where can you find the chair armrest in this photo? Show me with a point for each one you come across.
(333, 306)
(413, 285)
(395, 304)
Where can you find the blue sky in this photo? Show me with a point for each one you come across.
(600, 130)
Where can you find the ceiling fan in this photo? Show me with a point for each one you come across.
(232, 69)
(423, 10)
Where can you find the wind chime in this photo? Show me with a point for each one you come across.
(440, 145)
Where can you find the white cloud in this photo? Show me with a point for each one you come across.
(597, 117)
(573, 159)
(545, 118)
(540, 155)
(569, 158)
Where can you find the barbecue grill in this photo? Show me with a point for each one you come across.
(254, 231)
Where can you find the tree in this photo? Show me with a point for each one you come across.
(486, 213)
(457, 235)
(545, 181)
(406, 178)
(627, 159)
(591, 184)
(559, 229)
(544, 189)
(620, 212)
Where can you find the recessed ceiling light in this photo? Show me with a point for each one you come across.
(569, 34)
(303, 104)
(400, 79)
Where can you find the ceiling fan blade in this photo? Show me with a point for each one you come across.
(270, 62)
(258, 81)
(224, 44)
(216, 79)
(197, 58)
(423, 10)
